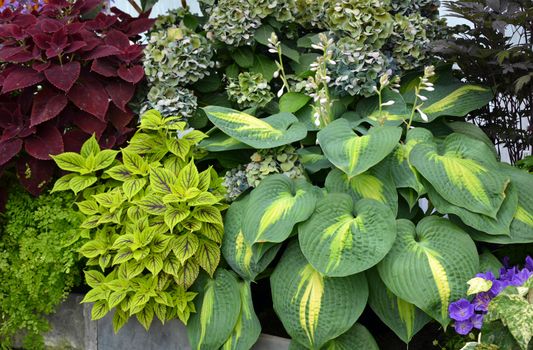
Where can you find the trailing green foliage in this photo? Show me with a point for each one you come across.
(152, 220)
(39, 240)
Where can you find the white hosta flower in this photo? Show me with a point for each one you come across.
(388, 103)
(423, 115)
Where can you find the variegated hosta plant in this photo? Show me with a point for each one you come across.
(397, 191)
(152, 221)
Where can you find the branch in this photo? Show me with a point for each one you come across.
(136, 6)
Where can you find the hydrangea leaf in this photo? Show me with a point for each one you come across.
(245, 259)
(435, 256)
(275, 206)
(274, 131)
(313, 308)
(218, 306)
(339, 235)
(404, 318)
(463, 171)
(375, 183)
(247, 329)
(355, 154)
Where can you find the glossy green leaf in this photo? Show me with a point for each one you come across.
(70, 161)
(404, 318)
(312, 159)
(218, 306)
(80, 182)
(245, 259)
(435, 256)
(463, 171)
(276, 130)
(247, 329)
(393, 114)
(355, 154)
(357, 337)
(90, 147)
(132, 186)
(104, 159)
(221, 142)
(313, 308)
(275, 206)
(162, 180)
(208, 256)
(293, 101)
(339, 236)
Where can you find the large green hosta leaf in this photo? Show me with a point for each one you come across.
(343, 238)
(218, 306)
(313, 308)
(276, 130)
(275, 206)
(393, 114)
(404, 318)
(355, 154)
(245, 259)
(375, 183)
(429, 265)
(247, 329)
(222, 142)
(357, 338)
(498, 226)
(463, 171)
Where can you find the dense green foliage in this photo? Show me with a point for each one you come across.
(151, 218)
(38, 261)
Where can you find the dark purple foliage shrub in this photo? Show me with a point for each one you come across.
(64, 75)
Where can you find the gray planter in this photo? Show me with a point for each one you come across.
(72, 328)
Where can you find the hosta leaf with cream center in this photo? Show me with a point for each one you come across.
(463, 171)
(355, 154)
(275, 206)
(313, 308)
(429, 265)
(344, 237)
(274, 131)
(357, 337)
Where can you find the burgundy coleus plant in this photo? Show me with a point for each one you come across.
(65, 75)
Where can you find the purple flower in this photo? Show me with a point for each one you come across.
(489, 276)
(461, 310)
(481, 301)
(529, 263)
(463, 327)
(477, 321)
(497, 287)
(520, 278)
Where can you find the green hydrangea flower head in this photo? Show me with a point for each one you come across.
(249, 90)
(170, 19)
(171, 101)
(409, 42)
(235, 182)
(280, 160)
(177, 56)
(357, 68)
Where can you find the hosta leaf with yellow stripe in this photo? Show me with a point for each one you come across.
(275, 206)
(313, 308)
(492, 226)
(463, 171)
(356, 338)
(429, 265)
(218, 306)
(276, 130)
(245, 259)
(355, 154)
(221, 142)
(247, 329)
(393, 114)
(344, 237)
(375, 183)
(404, 318)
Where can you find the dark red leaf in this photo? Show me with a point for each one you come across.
(42, 40)
(25, 20)
(104, 67)
(34, 174)
(75, 27)
(46, 141)
(120, 119)
(49, 25)
(9, 149)
(7, 52)
(40, 66)
(74, 139)
(57, 44)
(21, 78)
(117, 39)
(12, 31)
(132, 53)
(90, 124)
(102, 51)
(63, 77)
(89, 95)
(139, 26)
(75, 46)
(101, 21)
(133, 74)
(120, 93)
(46, 105)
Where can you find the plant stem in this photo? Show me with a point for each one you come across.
(136, 6)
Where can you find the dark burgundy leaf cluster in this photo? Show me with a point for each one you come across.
(64, 76)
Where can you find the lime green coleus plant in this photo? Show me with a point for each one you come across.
(355, 232)
(152, 221)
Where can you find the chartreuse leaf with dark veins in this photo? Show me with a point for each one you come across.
(463, 171)
(429, 265)
(313, 308)
(374, 184)
(218, 306)
(355, 154)
(404, 318)
(276, 130)
(339, 235)
(275, 206)
(356, 338)
(247, 329)
(245, 259)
